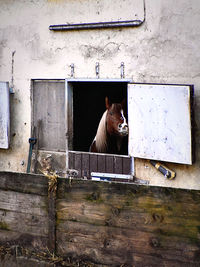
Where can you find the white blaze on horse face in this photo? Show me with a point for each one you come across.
(123, 127)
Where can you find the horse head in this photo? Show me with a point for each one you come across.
(111, 130)
(116, 121)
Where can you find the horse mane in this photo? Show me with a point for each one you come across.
(101, 135)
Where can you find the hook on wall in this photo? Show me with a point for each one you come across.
(72, 70)
(97, 70)
(122, 72)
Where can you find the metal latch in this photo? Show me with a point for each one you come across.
(32, 142)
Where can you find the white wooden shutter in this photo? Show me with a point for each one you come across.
(160, 122)
(4, 115)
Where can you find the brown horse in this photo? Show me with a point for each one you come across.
(111, 130)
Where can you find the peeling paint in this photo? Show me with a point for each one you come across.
(103, 52)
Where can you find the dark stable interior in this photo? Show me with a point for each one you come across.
(89, 106)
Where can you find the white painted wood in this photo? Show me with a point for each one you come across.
(4, 115)
(102, 154)
(97, 80)
(111, 175)
(160, 122)
(132, 166)
(69, 119)
(69, 115)
(66, 124)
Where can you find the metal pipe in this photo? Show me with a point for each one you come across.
(96, 25)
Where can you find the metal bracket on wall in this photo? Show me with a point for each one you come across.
(11, 90)
(97, 70)
(72, 70)
(122, 74)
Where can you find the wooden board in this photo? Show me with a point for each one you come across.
(4, 115)
(101, 224)
(160, 122)
(23, 211)
(25, 183)
(49, 107)
(128, 225)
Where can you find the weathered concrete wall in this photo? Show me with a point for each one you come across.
(165, 49)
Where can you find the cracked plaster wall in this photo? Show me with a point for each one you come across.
(165, 49)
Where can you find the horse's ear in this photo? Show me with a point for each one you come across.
(107, 102)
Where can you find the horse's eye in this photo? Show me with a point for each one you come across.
(111, 113)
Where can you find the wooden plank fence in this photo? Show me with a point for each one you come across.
(89, 223)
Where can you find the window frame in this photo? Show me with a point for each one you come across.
(69, 115)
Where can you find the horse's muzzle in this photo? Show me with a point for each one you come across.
(123, 129)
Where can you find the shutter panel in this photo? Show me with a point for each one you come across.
(48, 106)
(160, 122)
(4, 115)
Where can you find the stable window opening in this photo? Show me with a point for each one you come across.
(85, 107)
(89, 106)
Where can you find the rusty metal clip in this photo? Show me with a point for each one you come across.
(72, 70)
(122, 70)
(97, 70)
